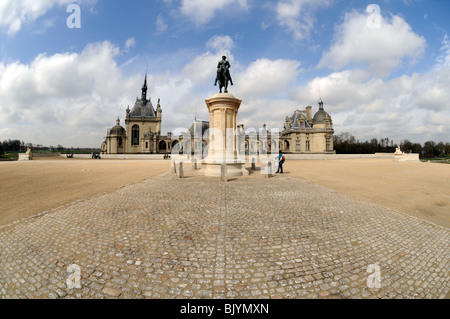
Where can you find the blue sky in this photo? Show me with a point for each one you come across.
(380, 76)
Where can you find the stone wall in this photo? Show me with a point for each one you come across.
(407, 158)
(338, 156)
(40, 155)
(121, 156)
(288, 156)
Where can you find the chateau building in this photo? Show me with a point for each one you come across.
(302, 133)
(305, 134)
(143, 130)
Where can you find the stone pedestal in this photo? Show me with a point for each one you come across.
(223, 147)
(28, 156)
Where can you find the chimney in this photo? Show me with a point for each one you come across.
(309, 118)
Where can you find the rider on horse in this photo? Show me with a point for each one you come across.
(223, 69)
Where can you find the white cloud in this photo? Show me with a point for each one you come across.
(264, 78)
(262, 85)
(203, 11)
(130, 43)
(202, 69)
(378, 50)
(77, 93)
(220, 43)
(161, 24)
(260, 79)
(13, 13)
(407, 106)
(297, 16)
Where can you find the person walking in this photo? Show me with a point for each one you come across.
(281, 160)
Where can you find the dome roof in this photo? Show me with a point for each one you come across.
(117, 129)
(320, 116)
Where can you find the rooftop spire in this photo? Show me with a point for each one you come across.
(145, 81)
(320, 104)
(145, 88)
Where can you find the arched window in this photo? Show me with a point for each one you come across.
(120, 141)
(135, 135)
(273, 144)
(163, 146)
(286, 146)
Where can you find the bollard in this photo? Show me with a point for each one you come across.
(195, 164)
(223, 173)
(253, 164)
(269, 172)
(180, 173)
(174, 167)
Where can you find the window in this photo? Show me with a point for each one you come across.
(328, 143)
(135, 135)
(120, 141)
(286, 146)
(273, 144)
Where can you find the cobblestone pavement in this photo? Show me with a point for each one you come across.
(251, 237)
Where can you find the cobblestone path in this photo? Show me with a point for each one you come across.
(201, 238)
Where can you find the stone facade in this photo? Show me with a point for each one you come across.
(305, 134)
(143, 130)
(302, 133)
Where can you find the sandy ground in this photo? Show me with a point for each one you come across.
(419, 189)
(30, 188)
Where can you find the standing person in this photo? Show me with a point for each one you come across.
(281, 160)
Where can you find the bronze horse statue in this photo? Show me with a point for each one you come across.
(223, 75)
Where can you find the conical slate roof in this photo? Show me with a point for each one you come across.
(143, 106)
(143, 109)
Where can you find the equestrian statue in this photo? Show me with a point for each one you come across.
(223, 74)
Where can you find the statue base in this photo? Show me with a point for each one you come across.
(232, 170)
(223, 153)
(214, 168)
